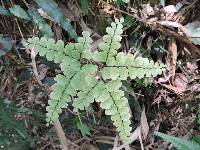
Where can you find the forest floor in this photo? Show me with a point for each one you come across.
(168, 103)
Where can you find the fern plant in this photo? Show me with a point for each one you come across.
(179, 143)
(87, 77)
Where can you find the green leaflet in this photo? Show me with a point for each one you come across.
(75, 77)
(111, 42)
(19, 12)
(32, 15)
(125, 65)
(84, 81)
(84, 6)
(179, 143)
(57, 51)
(68, 86)
(40, 22)
(4, 11)
(116, 105)
(55, 12)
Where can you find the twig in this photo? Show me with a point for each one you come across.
(116, 142)
(188, 43)
(22, 38)
(33, 55)
(27, 5)
(141, 143)
(104, 141)
(61, 136)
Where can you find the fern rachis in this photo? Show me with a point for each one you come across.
(85, 82)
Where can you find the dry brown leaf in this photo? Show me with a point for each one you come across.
(180, 84)
(146, 11)
(181, 81)
(191, 67)
(173, 50)
(136, 134)
(42, 71)
(170, 9)
(192, 30)
(66, 11)
(144, 124)
(31, 96)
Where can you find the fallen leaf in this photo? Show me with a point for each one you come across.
(144, 124)
(42, 71)
(173, 49)
(162, 3)
(170, 9)
(180, 84)
(192, 30)
(192, 67)
(146, 11)
(178, 6)
(136, 134)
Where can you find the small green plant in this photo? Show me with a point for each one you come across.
(125, 1)
(89, 77)
(198, 116)
(179, 143)
(13, 132)
(32, 15)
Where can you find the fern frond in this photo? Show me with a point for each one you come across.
(125, 65)
(57, 52)
(74, 74)
(111, 41)
(86, 97)
(67, 86)
(116, 105)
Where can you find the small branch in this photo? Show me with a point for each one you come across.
(185, 41)
(33, 55)
(61, 136)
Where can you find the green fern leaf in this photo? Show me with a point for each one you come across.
(84, 6)
(40, 22)
(179, 143)
(55, 12)
(4, 11)
(115, 104)
(19, 12)
(57, 52)
(125, 65)
(111, 42)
